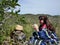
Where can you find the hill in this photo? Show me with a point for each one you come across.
(26, 20)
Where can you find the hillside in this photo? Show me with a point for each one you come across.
(27, 21)
(55, 20)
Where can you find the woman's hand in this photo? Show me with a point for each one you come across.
(35, 26)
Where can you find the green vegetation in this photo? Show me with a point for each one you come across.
(26, 21)
(5, 6)
(8, 20)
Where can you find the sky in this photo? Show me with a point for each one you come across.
(51, 7)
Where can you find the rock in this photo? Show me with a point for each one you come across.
(6, 43)
(18, 37)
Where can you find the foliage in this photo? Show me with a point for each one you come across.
(6, 5)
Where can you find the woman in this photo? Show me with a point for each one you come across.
(46, 30)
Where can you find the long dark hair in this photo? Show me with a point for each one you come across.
(47, 22)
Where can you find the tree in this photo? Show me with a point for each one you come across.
(6, 5)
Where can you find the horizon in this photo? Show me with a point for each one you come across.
(39, 14)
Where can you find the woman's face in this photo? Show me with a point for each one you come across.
(41, 21)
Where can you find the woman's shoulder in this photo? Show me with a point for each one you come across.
(44, 26)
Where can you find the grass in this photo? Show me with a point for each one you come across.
(26, 21)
